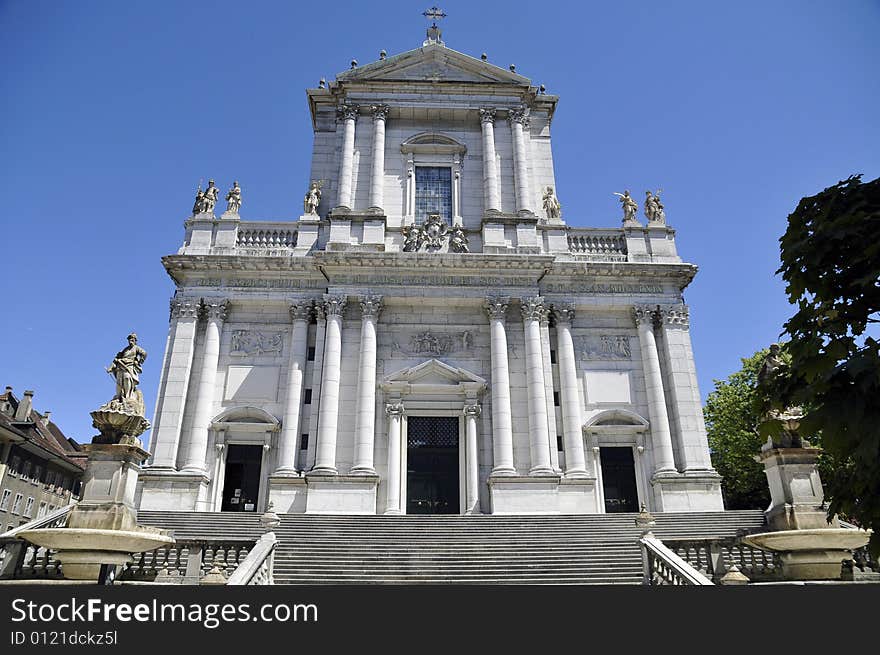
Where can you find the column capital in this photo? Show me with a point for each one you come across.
(301, 311)
(533, 308)
(563, 312)
(496, 306)
(371, 306)
(394, 409)
(518, 115)
(644, 314)
(347, 112)
(487, 114)
(184, 308)
(334, 305)
(215, 308)
(380, 112)
(473, 410)
(678, 315)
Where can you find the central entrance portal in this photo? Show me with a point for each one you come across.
(432, 481)
(619, 479)
(241, 486)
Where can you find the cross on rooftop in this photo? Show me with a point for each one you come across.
(434, 14)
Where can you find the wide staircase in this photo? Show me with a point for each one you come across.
(592, 549)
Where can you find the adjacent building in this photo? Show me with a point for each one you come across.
(432, 335)
(40, 469)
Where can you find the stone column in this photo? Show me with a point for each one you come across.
(472, 467)
(288, 445)
(519, 119)
(684, 390)
(533, 312)
(575, 462)
(394, 411)
(168, 420)
(377, 174)
(661, 437)
(491, 190)
(502, 422)
(365, 412)
(348, 115)
(325, 460)
(197, 450)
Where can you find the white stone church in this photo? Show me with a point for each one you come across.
(430, 336)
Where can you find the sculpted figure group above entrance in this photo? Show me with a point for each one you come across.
(435, 235)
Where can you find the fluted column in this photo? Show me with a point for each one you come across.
(328, 413)
(394, 412)
(572, 435)
(502, 422)
(491, 190)
(661, 437)
(348, 115)
(197, 451)
(684, 390)
(533, 312)
(377, 173)
(288, 444)
(472, 468)
(365, 412)
(170, 406)
(518, 119)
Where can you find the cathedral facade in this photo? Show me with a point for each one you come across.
(430, 336)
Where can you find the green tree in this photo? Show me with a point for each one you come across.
(732, 425)
(830, 256)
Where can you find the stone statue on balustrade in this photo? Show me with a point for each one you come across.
(551, 203)
(199, 204)
(233, 199)
(312, 198)
(458, 241)
(629, 209)
(121, 420)
(779, 423)
(654, 208)
(209, 200)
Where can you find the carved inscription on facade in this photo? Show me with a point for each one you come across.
(606, 346)
(254, 342)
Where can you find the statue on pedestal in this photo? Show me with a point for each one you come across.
(654, 208)
(233, 199)
(629, 208)
(312, 199)
(551, 203)
(210, 198)
(122, 419)
(781, 423)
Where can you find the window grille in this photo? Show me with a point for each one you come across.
(432, 432)
(433, 192)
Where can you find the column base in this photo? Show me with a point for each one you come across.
(576, 474)
(286, 473)
(341, 494)
(503, 471)
(541, 471)
(287, 494)
(173, 491)
(524, 494)
(677, 492)
(361, 471)
(392, 512)
(323, 471)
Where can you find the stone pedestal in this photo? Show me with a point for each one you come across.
(796, 494)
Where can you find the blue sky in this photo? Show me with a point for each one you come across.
(112, 112)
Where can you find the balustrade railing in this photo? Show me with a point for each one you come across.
(262, 238)
(187, 560)
(256, 569)
(595, 244)
(57, 518)
(663, 567)
(714, 557)
(864, 565)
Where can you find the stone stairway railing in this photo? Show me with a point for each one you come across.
(187, 561)
(257, 567)
(57, 518)
(715, 557)
(20, 559)
(662, 566)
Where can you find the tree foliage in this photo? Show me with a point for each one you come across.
(830, 256)
(732, 425)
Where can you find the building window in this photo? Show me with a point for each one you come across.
(15, 465)
(307, 397)
(4, 501)
(304, 442)
(433, 192)
(559, 443)
(38, 473)
(552, 356)
(29, 508)
(16, 504)
(310, 356)
(26, 471)
(556, 398)
(43, 509)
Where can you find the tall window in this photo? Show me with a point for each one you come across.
(4, 501)
(29, 508)
(433, 192)
(16, 505)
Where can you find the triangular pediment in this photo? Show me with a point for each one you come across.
(433, 63)
(434, 373)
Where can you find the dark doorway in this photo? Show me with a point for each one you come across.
(619, 479)
(432, 465)
(241, 485)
